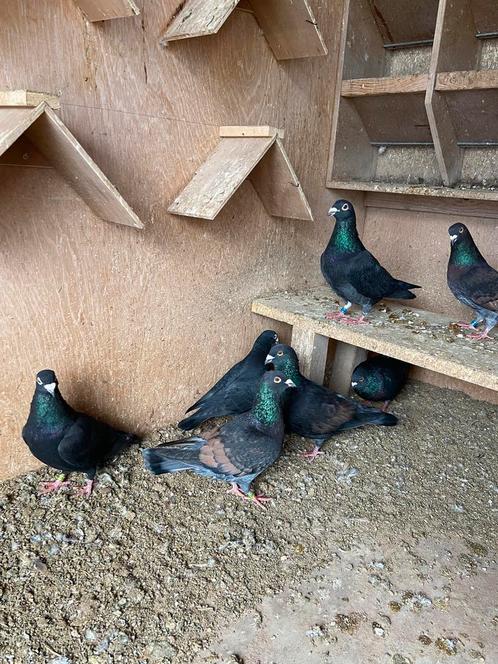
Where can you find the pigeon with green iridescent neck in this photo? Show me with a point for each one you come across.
(235, 391)
(353, 273)
(472, 281)
(315, 412)
(67, 440)
(236, 452)
(380, 378)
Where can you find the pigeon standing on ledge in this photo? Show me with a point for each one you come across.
(352, 272)
(472, 281)
(238, 451)
(234, 393)
(380, 378)
(315, 412)
(67, 440)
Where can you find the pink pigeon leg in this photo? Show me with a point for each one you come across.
(256, 498)
(346, 320)
(465, 326)
(86, 490)
(315, 452)
(52, 487)
(480, 335)
(385, 406)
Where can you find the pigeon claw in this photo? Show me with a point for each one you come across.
(46, 488)
(466, 326)
(315, 452)
(86, 490)
(480, 335)
(258, 499)
(346, 320)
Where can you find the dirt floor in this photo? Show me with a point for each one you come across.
(381, 551)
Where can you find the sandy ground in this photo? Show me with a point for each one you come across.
(381, 551)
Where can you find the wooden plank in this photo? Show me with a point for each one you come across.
(27, 98)
(418, 337)
(61, 148)
(400, 22)
(278, 186)
(467, 208)
(474, 114)
(346, 359)
(448, 154)
(312, 350)
(197, 18)
(14, 122)
(220, 176)
(362, 87)
(460, 192)
(455, 45)
(290, 28)
(234, 131)
(103, 10)
(485, 15)
(484, 79)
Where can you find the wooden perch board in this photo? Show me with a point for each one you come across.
(27, 98)
(288, 25)
(51, 137)
(103, 10)
(262, 159)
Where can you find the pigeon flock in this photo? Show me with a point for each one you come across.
(265, 393)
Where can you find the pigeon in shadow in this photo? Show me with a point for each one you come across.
(380, 378)
(315, 412)
(236, 452)
(234, 393)
(67, 440)
(353, 273)
(472, 281)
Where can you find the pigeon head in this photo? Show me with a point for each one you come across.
(270, 396)
(266, 340)
(343, 211)
(459, 233)
(46, 380)
(277, 381)
(284, 358)
(363, 378)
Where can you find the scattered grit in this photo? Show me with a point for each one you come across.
(153, 569)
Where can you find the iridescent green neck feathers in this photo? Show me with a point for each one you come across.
(267, 407)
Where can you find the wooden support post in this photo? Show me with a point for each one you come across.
(346, 358)
(311, 349)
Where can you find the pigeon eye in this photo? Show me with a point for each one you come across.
(345, 207)
(461, 230)
(38, 380)
(277, 379)
(280, 353)
(362, 380)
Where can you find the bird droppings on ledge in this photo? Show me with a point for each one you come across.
(172, 569)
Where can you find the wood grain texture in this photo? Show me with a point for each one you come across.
(14, 122)
(196, 18)
(364, 87)
(290, 28)
(405, 20)
(466, 192)
(27, 98)
(484, 79)
(467, 208)
(312, 350)
(103, 10)
(427, 350)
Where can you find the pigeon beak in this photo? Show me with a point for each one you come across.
(354, 384)
(453, 238)
(50, 387)
(332, 211)
(269, 359)
(290, 383)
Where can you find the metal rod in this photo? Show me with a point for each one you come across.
(411, 144)
(409, 44)
(487, 35)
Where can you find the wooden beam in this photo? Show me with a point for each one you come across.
(311, 350)
(290, 28)
(60, 147)
(448, 154)
(242, 153)
(433, 206)
(483, 79)
(14, 122)
(197, 18)
(103, 10)
(346, 359)
(27, 98)
(375, 87)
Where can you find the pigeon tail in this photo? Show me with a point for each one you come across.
(173, 456)
(367, 415)
(401, 290)
(193, 420)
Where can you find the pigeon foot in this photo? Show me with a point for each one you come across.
(385, 406)
(311, 456)
(52, 487)
(466, 326)
(481, 335)
(347, 320)
(86, 490)
(256, 498)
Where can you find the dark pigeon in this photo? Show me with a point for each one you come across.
(472, 281)
(234, 393)
(315, 412)
(238, 451)
(67, 440)
(380, 378)
(352, 272)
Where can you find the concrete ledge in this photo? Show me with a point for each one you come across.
(422, 338)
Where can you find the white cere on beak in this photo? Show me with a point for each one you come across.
(290, 383)
(354, 384)
(453, 237)
(269, 358)
(50, 387)
(332, 211)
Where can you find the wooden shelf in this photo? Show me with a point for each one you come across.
(445, 111)
(254, 153)
(428, 342)
(104, 10)
(44, 129)
(288, 25)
